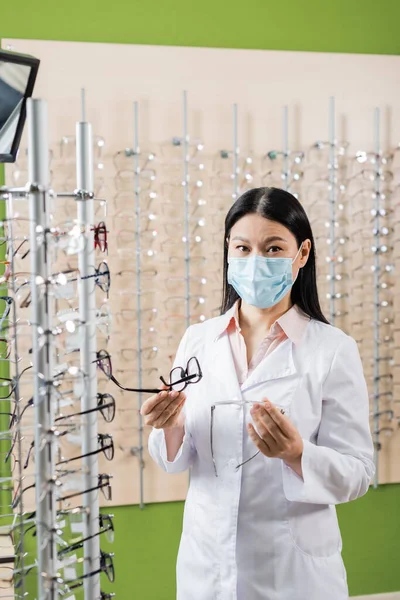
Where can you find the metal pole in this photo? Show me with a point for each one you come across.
(377, 190)
(87, 309)
(136, 162)
(186, 207)
(17, 399)
(83, 105)
(332, 208)
(235, 154)
(42, 354)
(286, 151)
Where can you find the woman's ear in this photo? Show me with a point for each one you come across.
(305, 252)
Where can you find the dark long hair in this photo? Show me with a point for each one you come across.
(282, 207)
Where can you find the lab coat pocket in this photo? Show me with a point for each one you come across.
(314, 529)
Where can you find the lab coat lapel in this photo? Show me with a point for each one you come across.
(276, 365)
(222, 369)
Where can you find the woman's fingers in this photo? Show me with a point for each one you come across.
(260, 443)
(158, 402)
(158, 409)
(173, 419)
(267, 427)
(149, 405)
(169, 414)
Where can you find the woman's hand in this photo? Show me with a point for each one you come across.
(163, 410)
(276, 436)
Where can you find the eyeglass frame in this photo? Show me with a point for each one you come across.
(185, 378)
(242, 403)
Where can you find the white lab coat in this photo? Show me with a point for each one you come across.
(262, 532)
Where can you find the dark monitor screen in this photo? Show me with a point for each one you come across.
(17, 77)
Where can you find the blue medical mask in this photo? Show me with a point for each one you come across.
(261, 281)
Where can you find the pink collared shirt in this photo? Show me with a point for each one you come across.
(290, 325)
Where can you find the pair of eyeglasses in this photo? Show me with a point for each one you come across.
(227, 403)
(7, 347)
(103, 485)
(373, 175)
(53, 432)
(106, 445)
(15, 416)
(7, 308)
(102, 318)
(105, 405)
(179, 378)
(131, 354)
(106, 566)
(100, 236)
(73, 241)
(106, 527)
(174, 303)
(12, 383)
(61, 282)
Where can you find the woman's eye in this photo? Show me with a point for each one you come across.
(274, 250)
(242, 248)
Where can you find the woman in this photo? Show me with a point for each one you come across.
(276, 432)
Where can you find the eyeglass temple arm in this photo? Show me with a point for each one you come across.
(98, 487)
(139, 390)
(99, 407)
(78, 545)
(67, 460)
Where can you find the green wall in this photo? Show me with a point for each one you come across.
(365, 26)
(147, 541)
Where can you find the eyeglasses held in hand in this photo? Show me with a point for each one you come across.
(240, 403)
(179, 378)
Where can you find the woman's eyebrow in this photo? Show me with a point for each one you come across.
(268, 240)
(239, 238)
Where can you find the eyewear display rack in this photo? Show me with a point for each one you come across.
(56, 567)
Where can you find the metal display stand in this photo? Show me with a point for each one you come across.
(87, 310)
(43, 359)
(186, 193)
(136, 161)
(53, 551)
(332, 211)
(377, 271)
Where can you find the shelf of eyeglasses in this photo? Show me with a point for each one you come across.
(155, 243)
(63, 197)
(69, 471)
(66, 585)
(65, 148)
(158, 329)
(61, 285)
(68, 524)
(154, 215)
(370, 196)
